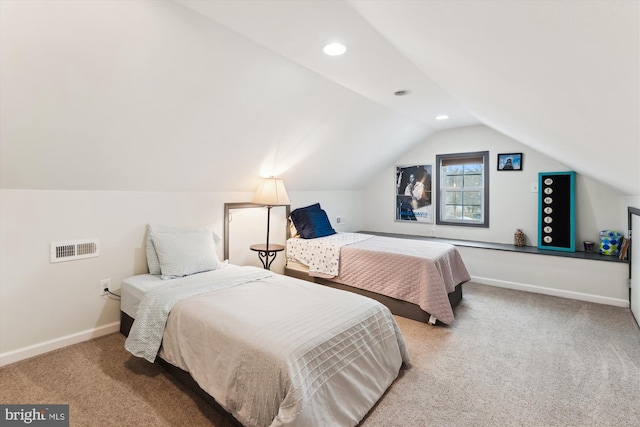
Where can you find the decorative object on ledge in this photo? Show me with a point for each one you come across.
(510, 162)
(519, 238)
(556, 206)
(270, 192)
(588, 246)
(610, 242)
(624, 249)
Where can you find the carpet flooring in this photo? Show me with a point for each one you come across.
(511, 358)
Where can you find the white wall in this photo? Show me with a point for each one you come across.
(44, 306)
(512, 205)
(195, 106)
(586, 280)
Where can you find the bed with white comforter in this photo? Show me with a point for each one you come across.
(271, 350)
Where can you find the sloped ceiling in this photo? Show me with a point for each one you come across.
(562, 77)
(206, 95)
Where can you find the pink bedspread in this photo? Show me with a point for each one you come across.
(416, 271)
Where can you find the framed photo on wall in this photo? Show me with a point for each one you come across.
(414, 201)
(510, 162)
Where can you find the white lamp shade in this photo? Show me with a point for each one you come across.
(271, 192)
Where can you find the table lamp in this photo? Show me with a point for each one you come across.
(271, 192)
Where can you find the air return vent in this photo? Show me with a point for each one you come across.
(74, 249)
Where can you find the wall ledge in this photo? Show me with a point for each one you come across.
(506, 247)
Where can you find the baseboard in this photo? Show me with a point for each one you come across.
(47, 346)
(551, 291)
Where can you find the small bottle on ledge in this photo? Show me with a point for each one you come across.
(519, 238)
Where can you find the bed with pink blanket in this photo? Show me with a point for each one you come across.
(418, 279)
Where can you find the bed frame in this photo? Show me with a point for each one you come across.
(398, 307)
(184, 377)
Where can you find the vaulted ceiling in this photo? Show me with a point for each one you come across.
(176, 96)
(562, 77)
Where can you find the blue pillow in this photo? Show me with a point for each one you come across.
(296, 214)
(312, 222)
(299, 211)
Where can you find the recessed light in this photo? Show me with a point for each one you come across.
(442, 117)
(334, 49)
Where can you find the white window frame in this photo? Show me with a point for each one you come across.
(441, 190)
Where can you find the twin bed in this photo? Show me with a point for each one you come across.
(418, 279)
(269, 349)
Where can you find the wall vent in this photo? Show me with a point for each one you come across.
(74, 249)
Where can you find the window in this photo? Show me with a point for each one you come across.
(462, 186)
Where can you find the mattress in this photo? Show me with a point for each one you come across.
(297, 266)
(134, 288)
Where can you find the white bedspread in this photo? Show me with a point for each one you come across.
(146, 332)
(279, 351)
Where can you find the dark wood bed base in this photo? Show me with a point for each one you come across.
(398, 307)
(183, 376)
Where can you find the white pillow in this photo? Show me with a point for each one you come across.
(182, 254)
(292, 229)
(152, 257)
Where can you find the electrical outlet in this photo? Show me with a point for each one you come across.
(340, 220)
(105, 286)
(433, 232)
(534, 187)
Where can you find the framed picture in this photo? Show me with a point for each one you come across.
(510, 162)
(413, 193)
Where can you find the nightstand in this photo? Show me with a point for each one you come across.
(267, 255)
